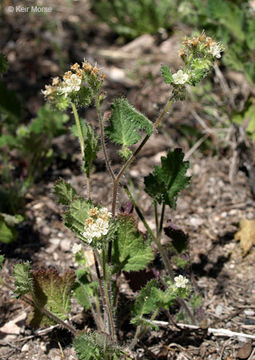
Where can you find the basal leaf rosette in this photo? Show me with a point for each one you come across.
(78, 85)
(199, 54)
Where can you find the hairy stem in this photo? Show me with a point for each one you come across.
(156, 216)
(162, 219)
(101, 124)
(105, 297)
(160, 248)
(140, 331)
(78, 125)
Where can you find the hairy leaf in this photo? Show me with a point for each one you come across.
(76, 216)
(143, 322)
(167, 75)
(83, 289)
(53, 292)
(95, 346)
(125, 122)
(131, 253)
(146, 302)
(178, 236)
(167, 180)
(23, 278)
(49, 121)
(64, 192)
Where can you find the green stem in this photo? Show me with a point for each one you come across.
(139, 212)
(140, 331)
(160, 248)
(101, 124)
(78, 125)
(162, 219)
(156, 216)
(105, 296)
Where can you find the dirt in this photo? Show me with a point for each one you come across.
(210, 210)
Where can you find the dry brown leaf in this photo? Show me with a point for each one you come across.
(246, 235)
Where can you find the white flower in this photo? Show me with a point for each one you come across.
(180, 77)
(76, 248)
(181, 281)
(104, 212)
(96, 228)
(48, 90)
(71, 84)
(215, 49)
(101, 226)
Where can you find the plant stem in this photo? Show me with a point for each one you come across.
(156, 216)
(139, 212)
(162, 219)
(161, 249)
(101, 124)
(105, 297)
(78, 125)
(140, 331)
(46, 312)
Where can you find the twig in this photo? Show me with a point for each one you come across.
(225, 88)
(215, 332)
(195, 146)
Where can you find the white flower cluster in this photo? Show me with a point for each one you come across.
(76, 248)
(181, 281)
(73, 83)
(215, 49)
(180, 77)
(97, 224)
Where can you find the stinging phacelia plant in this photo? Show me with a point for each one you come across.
(118, 246)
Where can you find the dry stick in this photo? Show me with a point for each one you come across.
(43, 310)
(215, 332)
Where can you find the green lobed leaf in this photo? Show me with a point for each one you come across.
(169, 179)
(49, 121)
(140, 321)
(53, 292)
(131, 252)
(167, 75)
(145, 302)
(95, 346)
(83, 289)
(64, 192)
(23, 278)
(8, 233)
(76, 216)
(125, 122)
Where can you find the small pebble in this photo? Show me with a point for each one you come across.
(65, 245)
(25, 347)
(219, 310)
(249, 312)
